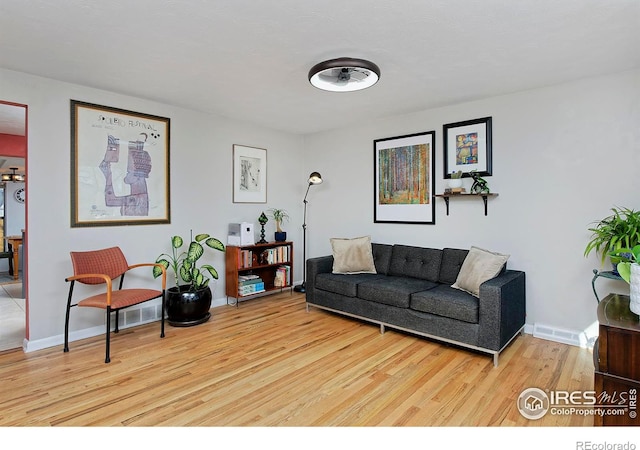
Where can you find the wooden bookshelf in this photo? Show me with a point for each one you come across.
(265, 261)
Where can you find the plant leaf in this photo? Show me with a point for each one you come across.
(157, 271)
(215, 244)
(212, 271)
(624, 269)
(195, 251)
(185, 274)
(176, 241)
(201, 237)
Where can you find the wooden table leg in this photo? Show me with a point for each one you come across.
(15, 261)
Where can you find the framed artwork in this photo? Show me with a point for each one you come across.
(249, 174)
(404, 174)
(119, 167)
(467, 147)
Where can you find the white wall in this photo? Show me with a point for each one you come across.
(201, 191)
(562, 157)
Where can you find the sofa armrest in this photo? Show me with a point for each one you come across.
(501, 309)
(321, 264)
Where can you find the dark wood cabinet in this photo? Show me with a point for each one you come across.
(617, 358)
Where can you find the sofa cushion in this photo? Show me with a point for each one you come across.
(479, 266)
(445, 301)
(390, 290)
(352, 255)
(416, 262)
(452, 259)
(382, 257)
(342, 283)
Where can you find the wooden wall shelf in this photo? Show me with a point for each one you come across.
(446, 198)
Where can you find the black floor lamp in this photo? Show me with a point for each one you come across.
(314, 178)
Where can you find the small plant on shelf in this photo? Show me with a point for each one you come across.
(279, 216)
(621, 229)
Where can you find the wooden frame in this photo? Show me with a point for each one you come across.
(249, 174)
(467, 147)
(119, 167)
(404, 179)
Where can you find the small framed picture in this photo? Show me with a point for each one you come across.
(467, 147)
(249, 174)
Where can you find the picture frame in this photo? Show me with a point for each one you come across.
(120, 167)
(467, 147)
(404, 179)
(249, 174)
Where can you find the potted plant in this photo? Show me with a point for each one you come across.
(189, 303)
(616, 231)
(629, 270)
(279, 216)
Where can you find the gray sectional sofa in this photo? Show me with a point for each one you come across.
(411, 291)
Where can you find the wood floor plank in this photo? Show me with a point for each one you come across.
(272, 363)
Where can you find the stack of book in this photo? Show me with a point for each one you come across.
(455, 190)
(282, 277)
(250, 284)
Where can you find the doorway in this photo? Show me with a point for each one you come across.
(13, 229)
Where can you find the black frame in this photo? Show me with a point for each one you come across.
(483, 127)
(409, 213)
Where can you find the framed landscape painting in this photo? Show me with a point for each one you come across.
(119, 167)
(404, 179)
(467, 147)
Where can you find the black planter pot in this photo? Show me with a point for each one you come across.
(281, 236)
(186, 308)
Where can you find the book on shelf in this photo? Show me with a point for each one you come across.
(249, 282)
(275, 255)
(251, 289)
(249, 276)
(282, 277)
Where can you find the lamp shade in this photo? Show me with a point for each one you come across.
(344, 74)
(315, 178)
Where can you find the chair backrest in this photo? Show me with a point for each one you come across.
(108, 261)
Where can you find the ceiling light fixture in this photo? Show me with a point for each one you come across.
(13, 176)
(344, 74)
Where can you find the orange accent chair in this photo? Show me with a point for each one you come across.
(102, 267)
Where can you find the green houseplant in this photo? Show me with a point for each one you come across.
(188, 303)
(619, 230)
(629, 270)
(279, 216)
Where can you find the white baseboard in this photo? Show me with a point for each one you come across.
(564, 336)
(130, 317)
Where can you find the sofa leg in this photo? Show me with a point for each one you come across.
(495, 359)
(381, 328)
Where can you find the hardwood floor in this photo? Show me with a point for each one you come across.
(271, 363)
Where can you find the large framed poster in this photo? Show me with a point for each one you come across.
(119, 167)
(404, 174)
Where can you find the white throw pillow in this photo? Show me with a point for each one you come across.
(352, 255)
(479, 266)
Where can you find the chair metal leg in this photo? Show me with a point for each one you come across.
(107, 358)
(66, 319)
(162, 316)
(117, 314)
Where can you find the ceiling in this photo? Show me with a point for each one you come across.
(248, 59)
